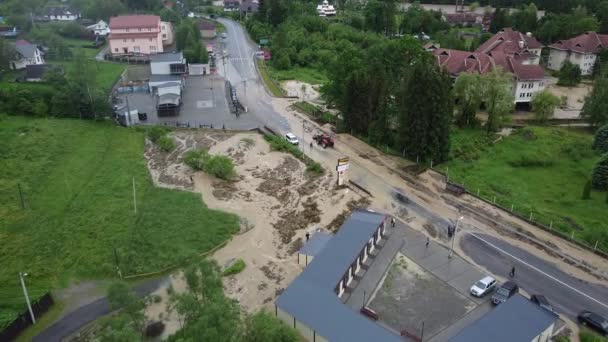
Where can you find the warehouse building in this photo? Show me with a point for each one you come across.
(312, 303)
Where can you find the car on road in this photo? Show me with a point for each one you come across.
(224, 35)
(504, 292)
(594, 321)
(483, 286)
(292, 139)
(541, 301)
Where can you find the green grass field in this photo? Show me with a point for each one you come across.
(307, 75)
(76, 182)
(540, 171)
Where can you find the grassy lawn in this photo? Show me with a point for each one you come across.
(273, 87)
(306, 75)
(76, 182)
(538, 170)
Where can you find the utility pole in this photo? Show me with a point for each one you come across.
(27, 298)
(134, 197)
(454, 237)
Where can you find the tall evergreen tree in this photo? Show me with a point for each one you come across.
(501, 20)
(426, 107)
(595, 109)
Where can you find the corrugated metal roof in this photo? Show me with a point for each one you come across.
(134, 21)
(316, 243)
(311, 299)
(518, 319)
(167, 57)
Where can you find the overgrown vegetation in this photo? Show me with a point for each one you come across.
(278, 143)
(316, 113)
(75, 178)
(235, 268)
(569, 75)
(159, 136)
(217, 165)
(527, 170)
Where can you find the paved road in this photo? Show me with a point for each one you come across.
(569, 295)
(80, 317)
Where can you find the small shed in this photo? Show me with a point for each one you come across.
(198, 69)
(207, 29)
(313, 247)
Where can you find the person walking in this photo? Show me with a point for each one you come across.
(512, 273)
(427, 242)
(392, 222)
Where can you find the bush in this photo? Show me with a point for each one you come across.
(235, 268)
(195, 159)
(589, 336)
(155, 329)
(277, 143)
(315, 167)
(156, 133)
(219, 166)
(599, 178)
(531, 160)
(600, 141)
(166, 143)
(569, 75)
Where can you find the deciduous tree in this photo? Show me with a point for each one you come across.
(467, 92)
(543, 105)
(569, 74)
(497, 97)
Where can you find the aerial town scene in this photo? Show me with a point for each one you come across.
(304, 170)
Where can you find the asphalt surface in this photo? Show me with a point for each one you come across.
(568, 295)
(82, 316)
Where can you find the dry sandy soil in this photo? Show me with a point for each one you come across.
(576, 99)
(305, 91)
(277, 201)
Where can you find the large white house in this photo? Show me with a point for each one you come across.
(325, 9)
(26, 54)
(100, 29)
(514, 52)
(581, 50)
(60, 13)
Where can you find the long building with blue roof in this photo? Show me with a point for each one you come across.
(312, 305)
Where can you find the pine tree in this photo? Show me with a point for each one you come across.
(599, 176)
(600, 141)
(595, 109)
(426, 107)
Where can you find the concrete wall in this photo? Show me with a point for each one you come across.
(525, 90)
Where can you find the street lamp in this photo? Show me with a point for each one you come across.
(27, 298)
(454, 237)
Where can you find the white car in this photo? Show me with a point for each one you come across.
(483, 286)
(292, 139)
(224, 35)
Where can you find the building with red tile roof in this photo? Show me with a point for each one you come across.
(514, 52)
(581, 50)
(139, 34)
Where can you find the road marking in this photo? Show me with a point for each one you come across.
(538, 270)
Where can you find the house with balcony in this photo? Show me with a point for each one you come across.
(26, 54)
(581, 50)
(514, 52)
(139, 35)
(60, 13)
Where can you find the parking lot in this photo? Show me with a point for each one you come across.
(204, 103)
(425, 293)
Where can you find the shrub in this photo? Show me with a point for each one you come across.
(277, 143)
(235, 268)
(219, 166)
(600, 141)
(156, 133)
(155, 329)
(195, 159)
(315, 167)
(531, 160)
(569, 75)
(166, 143)
(587, 190)
(599, 178)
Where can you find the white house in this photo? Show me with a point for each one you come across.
(514, 52)
(60, 13)
(100, 29)
(26, 54)
(581, 50)
(325, 9)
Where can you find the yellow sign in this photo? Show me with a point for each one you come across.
(343, 161)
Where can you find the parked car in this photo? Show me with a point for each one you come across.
(483, 286)
(594, 321)
(542, 301)
(504, 292)
(292, 139)
(224, 35)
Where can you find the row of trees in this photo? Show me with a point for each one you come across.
(203, 311)
(188, 40)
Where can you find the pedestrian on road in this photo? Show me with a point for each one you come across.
(393, 222)
(512, 273)
(427, 242)
(311, 144)
(191, 179)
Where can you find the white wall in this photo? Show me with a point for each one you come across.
(160, 68)
(584, 61)
(556, 59)
(525, 90)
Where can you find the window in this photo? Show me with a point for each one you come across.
(132, 40)
(164, 36)
(521, 94)
(139, 29)
(162, 27)
(124, 40)
(116, 50)
(541, 84)
(150, 39)
(524, 86)
(529, 94)
(127, 30)
(152, 48)
(530, 85)
(149, 29)
(136, 48)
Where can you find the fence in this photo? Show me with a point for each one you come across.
(599, 247)
(24, 320)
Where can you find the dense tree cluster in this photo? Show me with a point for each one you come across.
(569, 75)
(188, 40)
(595, 109)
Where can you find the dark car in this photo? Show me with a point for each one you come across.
(504, 292)
(593, 321)
(541, 301)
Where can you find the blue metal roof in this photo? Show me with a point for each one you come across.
(311, 299)
(518, 319)
(316, 243)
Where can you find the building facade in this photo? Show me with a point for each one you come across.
(581, 50)
(101, 28)
(60, 13)
(514, 52)
(27, 54)
(139, 35)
